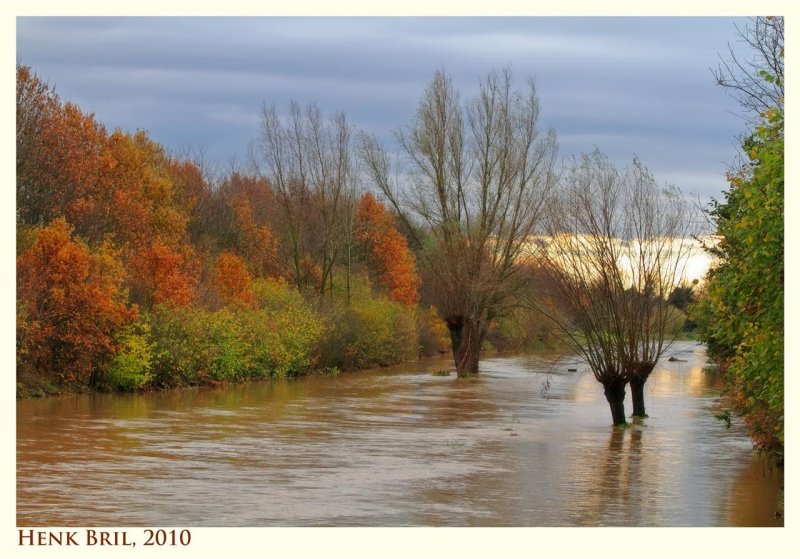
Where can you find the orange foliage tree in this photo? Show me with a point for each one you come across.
(59, 152)
(70, 306)
(160, 275)
(232, 280)
(136, 197)
(394, 264)
(188, 184)
(116, 185)
(251, 200)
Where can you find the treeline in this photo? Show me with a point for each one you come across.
(740, 315)
(138, 268)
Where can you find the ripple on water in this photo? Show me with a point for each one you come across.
(395, 447)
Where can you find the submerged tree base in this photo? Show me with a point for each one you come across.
(637, 381)
(466, 336)
(615, 394)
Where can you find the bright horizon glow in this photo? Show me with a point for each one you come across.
(693, 259)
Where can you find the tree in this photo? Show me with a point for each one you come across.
(615, 249)
(396, 266)
(60, 152)
(36, 106)
(683, 295)
(243, 210)
(741, 316)
(71, 305)
(232, 280)
(477, 175)
(160, 275)
(309, 163)
(114, 185)
(756, 83)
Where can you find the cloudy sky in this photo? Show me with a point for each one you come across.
(625, 85)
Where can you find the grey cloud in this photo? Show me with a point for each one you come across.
(624, 84)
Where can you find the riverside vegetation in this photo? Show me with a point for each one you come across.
(740, 311)
(139, 269)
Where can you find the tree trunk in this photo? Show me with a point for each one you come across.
(637, 381)
(615, 394)
(637, 396)
(465, 338)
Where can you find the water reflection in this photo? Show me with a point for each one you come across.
(394, 447)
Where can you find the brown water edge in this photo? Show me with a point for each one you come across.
(398, 446)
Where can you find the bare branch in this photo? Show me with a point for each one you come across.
(476, 174)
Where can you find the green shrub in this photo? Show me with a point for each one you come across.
(275, 294)
(282, 342)
(130, 367)
(195, 346)
(522, 329)
(228, 352)
(741, 316)
(371, 331)
(283, 336)
(176, 355)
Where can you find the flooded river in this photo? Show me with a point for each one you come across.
(398, 446)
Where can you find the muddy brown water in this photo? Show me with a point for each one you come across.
(398, 446)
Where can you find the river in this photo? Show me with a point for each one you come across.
(526, 443)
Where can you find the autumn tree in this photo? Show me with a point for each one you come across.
(395, 264)
(188, 185)
(159, 274)
(252, 204)
(615, 248)
(60, 152)
(106, 185)
(232, 279)
(70, 306)
(135, 200)
(477, 174)
(36, 107)
(308, 161)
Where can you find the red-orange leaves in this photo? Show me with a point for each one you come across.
(114, 185)
(71, 304)
(255, 238)
(160, 275)
(394, 264)
(60, 152)
(136, 196)
(232, 280)
(189, 186)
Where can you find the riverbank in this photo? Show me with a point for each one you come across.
(287, 336)
(282, 334)
(35, 389)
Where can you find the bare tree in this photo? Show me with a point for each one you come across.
(309, 162)
(616, 247)
(476, 177)
(757, 82)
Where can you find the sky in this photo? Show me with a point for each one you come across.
(628, 86)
